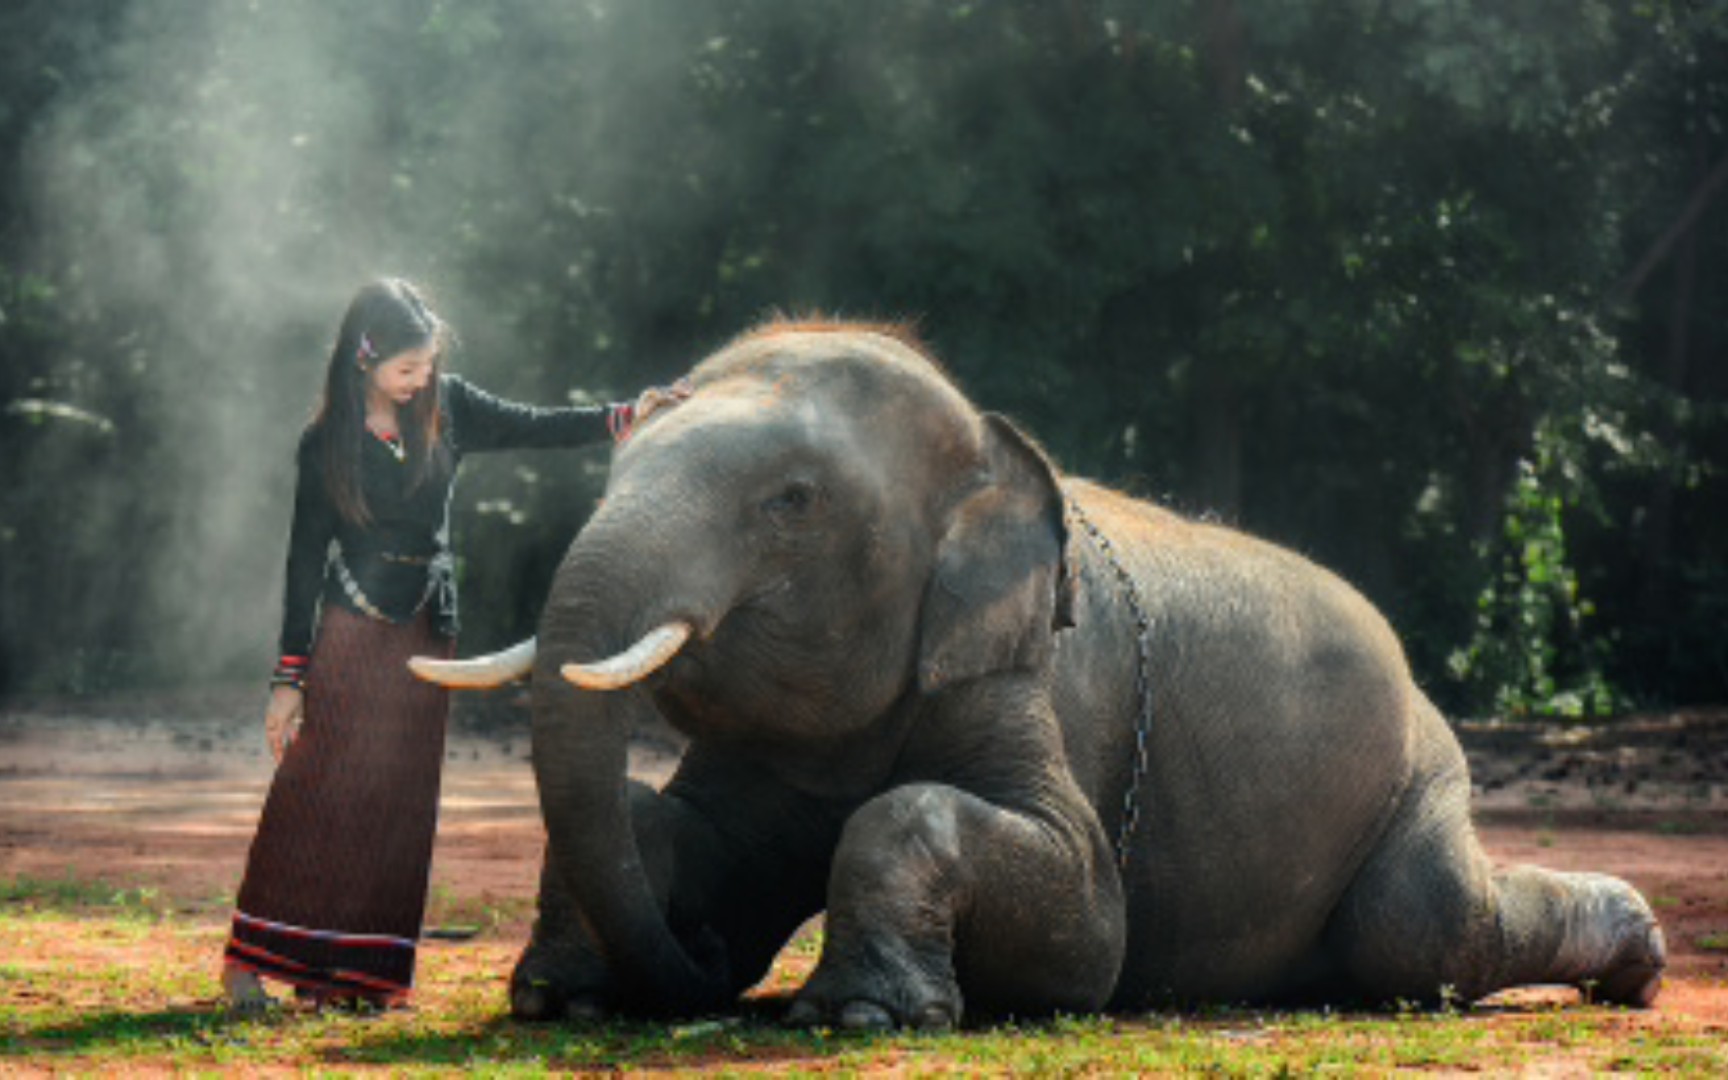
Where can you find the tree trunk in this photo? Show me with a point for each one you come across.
(1656, 582)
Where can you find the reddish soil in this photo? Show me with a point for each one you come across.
(166, 799)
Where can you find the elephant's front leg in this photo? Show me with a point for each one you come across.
(736, 862)
(562, 974)
(940, 902)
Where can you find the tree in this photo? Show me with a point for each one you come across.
(1342, 272)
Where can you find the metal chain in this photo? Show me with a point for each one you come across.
(1142, 683)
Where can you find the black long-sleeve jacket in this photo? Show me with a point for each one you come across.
(401, 561)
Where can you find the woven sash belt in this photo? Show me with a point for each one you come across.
(359, 598)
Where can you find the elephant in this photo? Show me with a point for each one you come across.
(1030, 745)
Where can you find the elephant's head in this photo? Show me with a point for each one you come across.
(790, 562)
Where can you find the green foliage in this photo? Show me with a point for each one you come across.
(1327, 269)
(1533, 650)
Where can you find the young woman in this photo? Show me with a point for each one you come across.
(335, 884)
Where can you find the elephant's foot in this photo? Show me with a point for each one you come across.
(1637, 979)
(1622, 949)
(558, 978)
(868, 1016)
(894, 988)
(540, 1000)
(557, 982)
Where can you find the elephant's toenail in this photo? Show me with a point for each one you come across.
(803, 1013)
(1657, 943)
(934, 1018)
(865, 1016)
(530, 1003)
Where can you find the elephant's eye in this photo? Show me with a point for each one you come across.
(792, 500)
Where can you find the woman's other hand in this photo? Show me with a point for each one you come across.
(658, 397)
(282, 718)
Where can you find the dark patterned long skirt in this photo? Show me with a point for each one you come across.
(335, 885)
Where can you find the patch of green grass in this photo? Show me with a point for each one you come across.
(469, 916)
(95, 993)
(1714, 942)
(494, 1043)
(72, 896)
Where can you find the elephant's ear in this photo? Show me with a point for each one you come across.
(1001, 586)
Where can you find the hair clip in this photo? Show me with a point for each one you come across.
(365, 351)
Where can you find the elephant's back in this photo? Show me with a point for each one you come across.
(1217, 601)
(1276, 720)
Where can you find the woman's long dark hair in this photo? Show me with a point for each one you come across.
(385, 318)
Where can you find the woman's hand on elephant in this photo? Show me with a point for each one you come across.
(282, 718)
(658, 397)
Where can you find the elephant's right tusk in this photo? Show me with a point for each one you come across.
(635, 663)
(479, 673)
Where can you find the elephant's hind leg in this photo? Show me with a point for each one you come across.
(941, 903)
(1428, 918)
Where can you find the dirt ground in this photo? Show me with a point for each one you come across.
(163, 794)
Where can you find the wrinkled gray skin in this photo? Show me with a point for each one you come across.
(911, 704)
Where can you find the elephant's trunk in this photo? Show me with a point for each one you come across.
(581, 739)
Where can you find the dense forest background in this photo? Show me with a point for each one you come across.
(1435, 292)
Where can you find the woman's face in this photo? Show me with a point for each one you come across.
(396, 380)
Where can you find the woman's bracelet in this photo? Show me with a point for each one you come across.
(619, 417)
(290, 671)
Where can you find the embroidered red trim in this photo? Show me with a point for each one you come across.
(619, 420)
(264, 962)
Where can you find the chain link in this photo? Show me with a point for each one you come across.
(1142, 683)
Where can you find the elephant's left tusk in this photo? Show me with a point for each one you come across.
(634, 664)
(479, 673)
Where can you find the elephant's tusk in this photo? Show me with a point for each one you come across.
(635, 663)
(480, 672)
